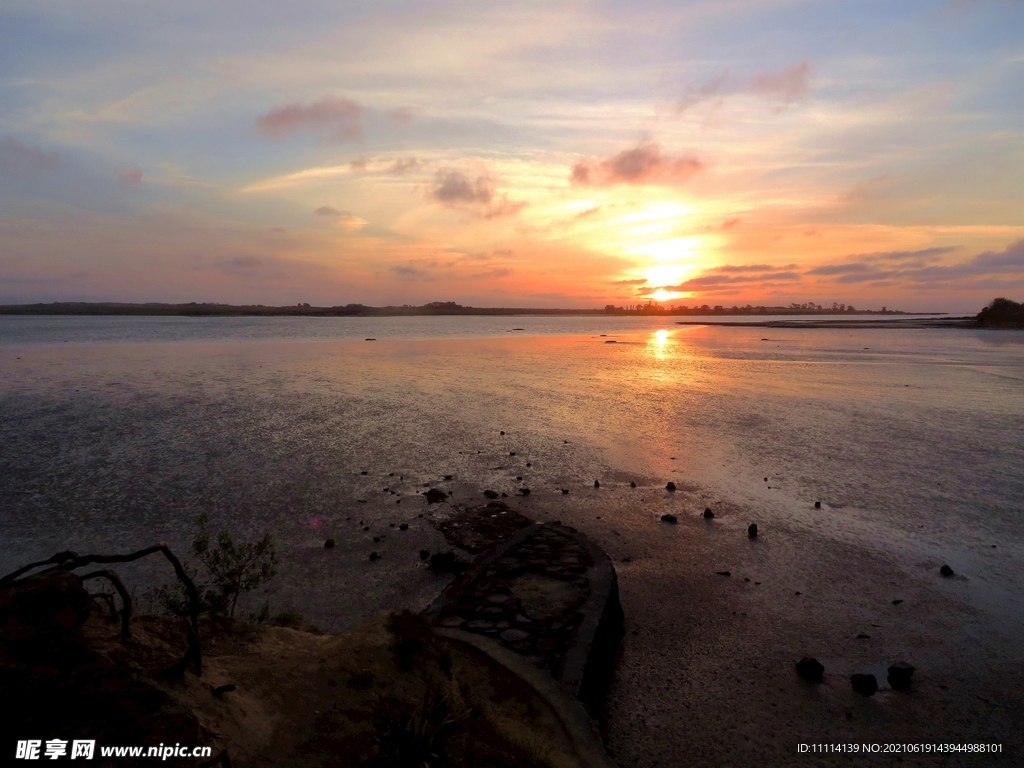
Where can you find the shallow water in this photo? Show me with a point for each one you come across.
(114, 432)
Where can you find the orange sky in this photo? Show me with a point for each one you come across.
(571, 154)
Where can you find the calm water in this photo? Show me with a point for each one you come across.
(115, 431)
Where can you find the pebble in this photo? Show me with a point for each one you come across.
(565, 491)
(329, 544)
(810, 668)
(424, 554)
(900, 674)
(817, 505)
(708, 514)
(752, 530)
(403, 527)
(435, 495)
(514, 635)
(670, 487)
(480, 624)
(866, 685)
(374, 556)
(491, 494)
(498, 598)
(946, 571)
(632, 484)
(669, 519)
(724, 573)
(597, 483)
(452, 621)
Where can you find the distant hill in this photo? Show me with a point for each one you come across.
(1002, 313)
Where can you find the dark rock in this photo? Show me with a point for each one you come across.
(447, 562)
(865, 685)
(491, 494)
(670, 487)
(435, 495)
(366, 527)
(896, 602)
(503, 431)
(519, 477)
(329, 544)
(498, 598)
(900, 674)
(371, 339)
(364, 472)
(752, 530)
(514, 635)
(504, 495)
(863, 636)
(374, 556)
(424, 554)
(524, 491)
(565, 491)
(220, 690)
(403, 527)
(480, 624)
(946, 571)
(724, 573)
(452, 621)
(597, 483)
(817, 505)
(529, 464)
(810, 668)
(669, 519)
(632, 484)
(376, 539)
(511, 453)
(708, 514)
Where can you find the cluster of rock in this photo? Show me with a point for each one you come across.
(528, 598)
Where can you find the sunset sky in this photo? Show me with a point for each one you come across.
(515, 154)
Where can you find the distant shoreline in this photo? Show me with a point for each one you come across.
(194, 309)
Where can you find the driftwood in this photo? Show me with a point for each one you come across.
(126, 600)
(69, 561)
(107, 598)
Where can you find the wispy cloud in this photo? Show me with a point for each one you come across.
(331, 117)
(477, 195)
(22, 160)
(644, 164)
(342, 219)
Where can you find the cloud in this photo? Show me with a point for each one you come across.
(786, 85)
(636, 281)
(331, 117)
(456, 190)
(644, 164)
(342, 219)
(738, 275)
(491, 275)
(130, 176)
(358, 165)
(730, 223)
(404, 115)
(21, 160)
(405, 164)
(410, 272)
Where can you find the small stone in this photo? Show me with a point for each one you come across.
(900, 674)
(817, 505)
(491, 494)
(329, 544)
(403, 527)
(521, 619)
(752, 530)
(946, 571)
(514, 635)
(863, 636)
(374, 556)
(524, 491)
(511, 453)
(810, 668)
(632, 484)
(896, 602)
(448, 477)
(670, 487)
(724, 573)
(865, 685)
(565, 491)
(366, 527)
(364, 472)
(480, 624)
(503, 431)
(498, 599)
(424, 554)
(376, 539)
(435, 495)
(708, 514)
(452, 621)
(669, 519)
(597, 483)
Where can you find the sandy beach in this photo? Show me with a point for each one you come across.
(111, 447)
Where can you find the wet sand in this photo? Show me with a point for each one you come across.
(109, 448)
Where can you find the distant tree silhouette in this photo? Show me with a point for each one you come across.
(1001, 313)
